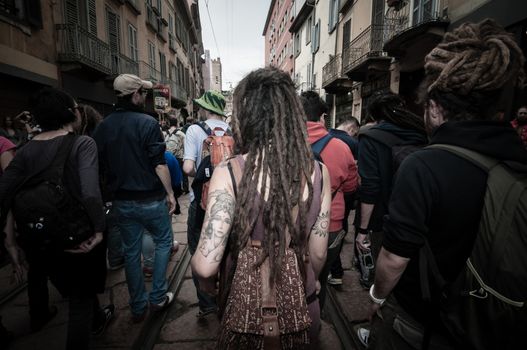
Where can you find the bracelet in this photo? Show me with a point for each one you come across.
(374, 299)
(363, 231)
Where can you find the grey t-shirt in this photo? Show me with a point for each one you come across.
(194, 141)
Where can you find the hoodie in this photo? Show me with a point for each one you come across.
(438, 196)
(342, 170)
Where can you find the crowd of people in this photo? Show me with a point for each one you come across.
(268, 228)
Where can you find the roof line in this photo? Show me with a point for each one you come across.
(269, 13)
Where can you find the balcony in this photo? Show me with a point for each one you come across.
(333, 81)
(365, 54)
(122, 64)
(172, 42)
(178, 93)
(411, 33)
(77, 46)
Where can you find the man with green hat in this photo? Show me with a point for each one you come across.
(213, 104)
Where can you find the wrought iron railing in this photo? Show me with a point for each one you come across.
(397, 18)
(122, 64)
(178, 91)
(332, 70)
(76, 44)
(367, 44)
(172, 41)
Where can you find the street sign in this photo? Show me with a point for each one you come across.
(161, 98)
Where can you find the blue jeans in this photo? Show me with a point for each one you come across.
(115, 242)
(134, 218)
(148, 249)
(196, 215)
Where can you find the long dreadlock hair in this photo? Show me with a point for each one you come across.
(269, 126)
(387, 106)
(470, 69)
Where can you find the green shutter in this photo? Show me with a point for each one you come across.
(71, 12)
(92, 17)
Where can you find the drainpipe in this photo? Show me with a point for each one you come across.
(312, 3)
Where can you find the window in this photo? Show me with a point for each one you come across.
(171, 33)
(346, 34)
(152, 60)
(132, 42)
(333, 14)
(309, 29)
(83, 13)
(162, 64)
(316, 38)
(298, 45)
(113, 24)
(423, 11)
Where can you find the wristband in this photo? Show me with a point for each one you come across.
(363, 231)
(374, 299)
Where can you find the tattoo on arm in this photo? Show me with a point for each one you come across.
(321, 225)
(217, 224)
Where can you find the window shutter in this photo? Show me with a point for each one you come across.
(72, 12)
(92, 17)
(34, 13)
(113, 31)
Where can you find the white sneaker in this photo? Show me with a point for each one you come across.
(364, 336)
(169, 298)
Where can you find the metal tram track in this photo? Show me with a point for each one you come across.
(343, 328)
(152, 325)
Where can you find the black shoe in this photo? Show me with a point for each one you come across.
(109, 311)
(37, 323)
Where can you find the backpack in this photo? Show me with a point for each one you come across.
(259, 313)
(486, 306)
(400, 150)
(45, 211)
(215, 149)
(174, 143)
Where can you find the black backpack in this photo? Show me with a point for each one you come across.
(486, 306)
(399, 147)
(46, 213)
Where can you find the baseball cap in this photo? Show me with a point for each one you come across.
(213, 101)
(126, 84)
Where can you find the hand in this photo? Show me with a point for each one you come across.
(362, 242)
(171, 201)
(87, 245)
(18, 273)
(374, 310)
(317, 287)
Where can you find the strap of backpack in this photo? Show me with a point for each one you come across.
(205, 128)
(319, 145)
(478, 159)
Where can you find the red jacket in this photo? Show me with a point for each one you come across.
(521, 130)
(342, 169)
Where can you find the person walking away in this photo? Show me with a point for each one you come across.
(397, 132)
(175, 141)
(79, 273)
(131, 149)
(213, 104)
(268, 208)
(347, 132)
(438, 200)
(342, 170)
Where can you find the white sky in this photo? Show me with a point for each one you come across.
(238, 26)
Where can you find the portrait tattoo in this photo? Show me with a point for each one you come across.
(217, 224)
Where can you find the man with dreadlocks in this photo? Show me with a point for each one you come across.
(397, 129)
(438, 196)
(269, 209)
(342, 170)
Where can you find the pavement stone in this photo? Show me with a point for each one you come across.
(187, 294)
(328, 338)
(202, 345)
(187, 327)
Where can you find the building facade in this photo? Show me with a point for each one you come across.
(381, 45)
(215, 75)
(278, 39)
(82, 45)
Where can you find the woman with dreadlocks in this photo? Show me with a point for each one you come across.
(436, 207)
(269, 208)
(397, 131)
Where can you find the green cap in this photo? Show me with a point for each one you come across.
(213, 101)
